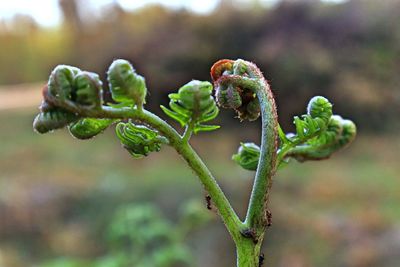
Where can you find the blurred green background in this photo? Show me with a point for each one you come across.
(59, 196)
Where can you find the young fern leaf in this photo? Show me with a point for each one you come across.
(138, 139)
(89, 127)
(318, 135)
(247, 156)
(49, 120)
(193, 105)
(71, 85)
(126, 86)
(340, 132)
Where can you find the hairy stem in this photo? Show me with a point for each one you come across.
(256, 217)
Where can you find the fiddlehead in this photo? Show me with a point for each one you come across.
(339, 133)
(126, 86)
(69, 90)
(247, 156)
(318, 135)
(235, 87)
(72, 86)
(241, 86)
(52, 119)
(139, 140)
(88, 127)
(193, 105)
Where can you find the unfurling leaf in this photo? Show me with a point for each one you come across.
(234, 90)
(193, 104)
(138, 139)
(247, 156)
(79, 88)
(49, 120)
(125, 84)
(89, 127)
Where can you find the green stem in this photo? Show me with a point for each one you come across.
(188, 132)
(228, 215)
(248, 254)
(256, 214)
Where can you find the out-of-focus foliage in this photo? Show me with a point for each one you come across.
(59, 202)
(139, 235)
(348, 52)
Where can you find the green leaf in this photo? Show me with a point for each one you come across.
(138, 139)
(173, 115)
(89, 127)
(205, 128)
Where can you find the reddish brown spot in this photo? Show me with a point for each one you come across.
(219, 67)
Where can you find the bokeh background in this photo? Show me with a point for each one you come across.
(60, 197)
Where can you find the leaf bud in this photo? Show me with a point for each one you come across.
(125, 84)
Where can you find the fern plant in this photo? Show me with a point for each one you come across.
(73, 99)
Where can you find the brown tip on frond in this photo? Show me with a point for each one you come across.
(219, 67)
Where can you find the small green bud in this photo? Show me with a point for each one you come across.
(194, 96)
(88, 89)
(193, 103)
(82, 88)
(320, 107)
(349, 132)
(61, 81)
(50, 120)
(88, 127)
(126, 85)
(138, 139)
(247, 156)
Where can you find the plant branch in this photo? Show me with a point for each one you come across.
(257, 212)
(225, 209)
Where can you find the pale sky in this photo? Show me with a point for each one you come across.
(46, 12)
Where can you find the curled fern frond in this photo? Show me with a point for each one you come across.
(234, 89)
(125, 84)
(78, 88)
(318, 134)
(247, 156)
(340, 132)
(320, 107)
(52, 119)
(193, 105)
(89, 127)
(138, 139)
(319, 112)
